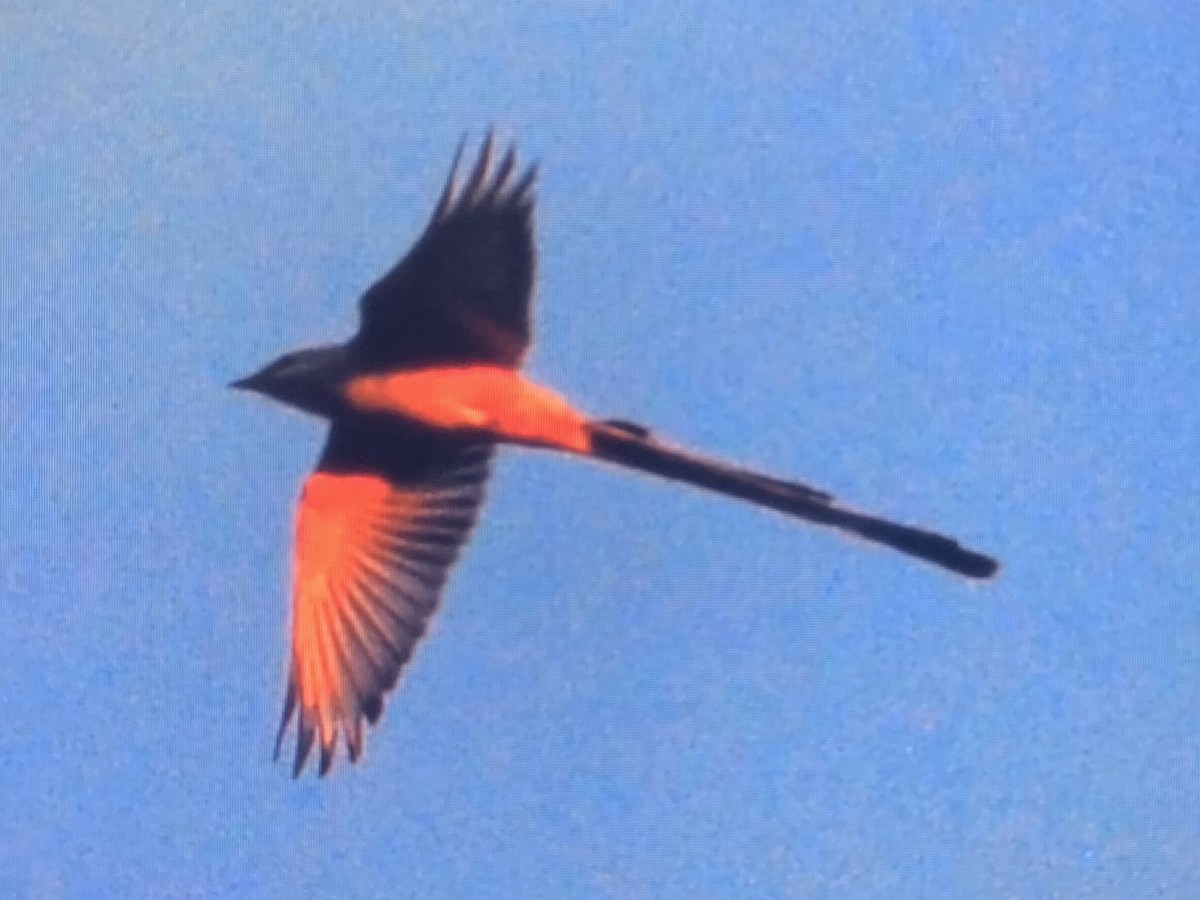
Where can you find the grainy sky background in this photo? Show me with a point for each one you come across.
(941, 258)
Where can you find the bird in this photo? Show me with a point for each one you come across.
(417, 401)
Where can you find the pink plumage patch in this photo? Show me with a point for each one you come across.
(371, 560)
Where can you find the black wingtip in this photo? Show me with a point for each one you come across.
(523, 186)
(479, 173)
(448, 191)
(304, 742)
(482, 184)
(502, 173)
(354, 739)
(372, 707)
(289, 709)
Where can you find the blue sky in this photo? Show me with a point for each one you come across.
(939, 258)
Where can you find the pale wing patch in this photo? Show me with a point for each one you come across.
(371, 559)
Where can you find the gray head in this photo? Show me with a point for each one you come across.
(309, 379)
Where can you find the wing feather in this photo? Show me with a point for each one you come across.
(443, 203)
(371, 635)
(462, 294)
(373, 548)
(501, 178)
(482, 165)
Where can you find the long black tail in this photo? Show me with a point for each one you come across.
(631, 445)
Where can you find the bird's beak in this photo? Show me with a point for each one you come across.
(249, 383)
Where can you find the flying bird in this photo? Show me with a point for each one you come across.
(417, 401)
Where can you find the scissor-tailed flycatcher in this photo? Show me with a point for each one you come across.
(417, 400)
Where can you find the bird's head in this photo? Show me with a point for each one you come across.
(307, 379)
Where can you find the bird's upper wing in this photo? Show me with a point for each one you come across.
(462, 294)
(380, 523)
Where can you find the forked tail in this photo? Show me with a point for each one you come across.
(633, 446)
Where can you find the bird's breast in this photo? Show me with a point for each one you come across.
(493, 401)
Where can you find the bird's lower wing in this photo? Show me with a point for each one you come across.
(374, 543)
